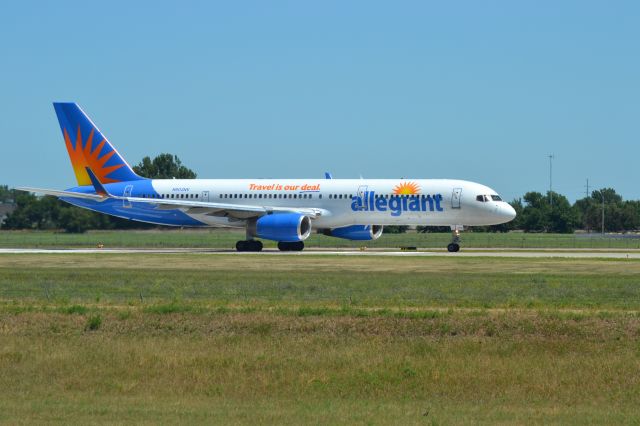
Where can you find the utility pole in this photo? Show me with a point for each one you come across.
(551, 157)
(602, 193)
(587, 193)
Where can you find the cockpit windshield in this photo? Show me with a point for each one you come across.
(486, 198)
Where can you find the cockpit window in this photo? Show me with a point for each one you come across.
(486, 198)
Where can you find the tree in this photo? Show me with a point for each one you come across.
(563, 217)
(431, 229)
(164, 166)
(619, 215)
(395, 229)
(539, 215)
(6, 195)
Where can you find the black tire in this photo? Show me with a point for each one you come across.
(282, 246)
(249, 245)
(291, 246)
(453, 248)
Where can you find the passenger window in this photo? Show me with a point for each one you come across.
(320, 196)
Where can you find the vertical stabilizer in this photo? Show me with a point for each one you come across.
(87, 147)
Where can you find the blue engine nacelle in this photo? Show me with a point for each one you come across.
(356, 232)
(287, 227)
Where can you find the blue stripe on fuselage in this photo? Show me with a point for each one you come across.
(143, 212)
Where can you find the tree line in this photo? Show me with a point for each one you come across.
(536, 212)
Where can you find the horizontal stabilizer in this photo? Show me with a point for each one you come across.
(57, 193)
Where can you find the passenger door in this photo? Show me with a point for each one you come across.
(362, 193)
(455, 198)
(205, 196)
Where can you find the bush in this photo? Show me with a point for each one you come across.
(93, 323)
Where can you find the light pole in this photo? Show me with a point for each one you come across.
(602, 193)
(550, 179)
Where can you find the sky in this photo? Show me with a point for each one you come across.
(483, 91)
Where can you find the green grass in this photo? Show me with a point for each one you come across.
(217, 238)
(270, 281)
(318, 339)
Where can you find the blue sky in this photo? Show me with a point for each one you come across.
(475, 90)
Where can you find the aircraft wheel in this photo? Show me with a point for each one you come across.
(291, 246)
(453, 247)
(249, 245)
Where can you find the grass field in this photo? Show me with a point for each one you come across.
(219, 238)
(318, 339)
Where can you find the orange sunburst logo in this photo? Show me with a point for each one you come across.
(406, 188)
(82, 155)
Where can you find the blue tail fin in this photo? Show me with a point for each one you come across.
(88, 147)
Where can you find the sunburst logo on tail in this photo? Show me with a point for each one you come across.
(406, 188)
(83, 155)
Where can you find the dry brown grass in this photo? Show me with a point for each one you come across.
(272, 339)
(246, 367)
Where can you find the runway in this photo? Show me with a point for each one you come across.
(505, 253)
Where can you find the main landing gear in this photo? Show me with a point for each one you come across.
(291, 246)
(255, 245)
(249, 245)
(454, 245)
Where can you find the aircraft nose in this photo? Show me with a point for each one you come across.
(508, 212)
(504, 212)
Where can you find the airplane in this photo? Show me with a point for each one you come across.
(282, 210)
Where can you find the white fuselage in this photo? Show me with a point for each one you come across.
(344, 202)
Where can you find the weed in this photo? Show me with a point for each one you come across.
(93, 323)
(75, 309)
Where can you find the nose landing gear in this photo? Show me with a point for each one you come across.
(454, 245)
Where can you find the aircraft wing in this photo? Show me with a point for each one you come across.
(239, 211)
